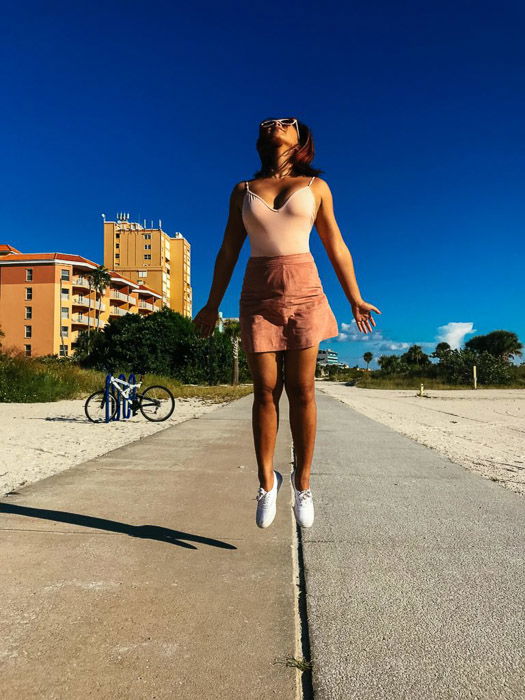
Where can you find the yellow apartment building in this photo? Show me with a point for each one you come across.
(46, 299)
(151, 256)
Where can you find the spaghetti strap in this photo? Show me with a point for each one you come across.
(313, 178)
(247, 187)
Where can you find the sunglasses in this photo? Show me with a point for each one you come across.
(282, 122)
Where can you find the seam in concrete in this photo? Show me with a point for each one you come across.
(304, 688)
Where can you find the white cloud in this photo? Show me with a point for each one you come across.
(376, 342)
(454, 333)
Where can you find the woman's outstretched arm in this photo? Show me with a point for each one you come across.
(341, 258)
(233, 239)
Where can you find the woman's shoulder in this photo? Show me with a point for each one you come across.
(321, 185)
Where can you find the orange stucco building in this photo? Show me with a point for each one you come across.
(45, 300)
(151, 256)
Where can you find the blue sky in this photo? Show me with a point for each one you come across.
(417, 112)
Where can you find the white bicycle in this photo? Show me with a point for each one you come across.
(156, 403)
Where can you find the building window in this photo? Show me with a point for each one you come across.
(27, 350)
(117, 235)
(64, 312)
(64, 293)
(29, 293)
(117, 255)
(147, 257)
(64, 275)
(147, 246)
(27, 332)
(63, 351)
(29, 275)
(29, 312)
(117, 245)
(65, 330)
(147, 236)
(143, 273)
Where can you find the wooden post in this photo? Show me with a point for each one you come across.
(421, 389)
(475, 377)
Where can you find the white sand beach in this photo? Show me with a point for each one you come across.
(41, 439)
(483, 430)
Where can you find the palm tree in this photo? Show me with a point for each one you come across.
(441, 349)
(99, 279)
(232, 330)
(367, 357)
(415, 356)
(503, 344)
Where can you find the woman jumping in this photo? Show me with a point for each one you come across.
(283, 310)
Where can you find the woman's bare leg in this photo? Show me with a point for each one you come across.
(299, 380)
(267, 374)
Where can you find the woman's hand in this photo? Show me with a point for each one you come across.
(206, 320)
(362, 314)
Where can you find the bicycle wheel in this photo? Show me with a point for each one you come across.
(95, 407)
(156, 403)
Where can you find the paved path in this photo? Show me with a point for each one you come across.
(414, 570)
(142, 574)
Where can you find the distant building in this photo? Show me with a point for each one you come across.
(327, 357)
(150, 256)
(221, 320)
(45, 300)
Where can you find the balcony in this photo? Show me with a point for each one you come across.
(82, 320)
(120, 296)
(146, 305)
(117, 311)
(80, 282)
(79, 300)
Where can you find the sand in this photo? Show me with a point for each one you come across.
(42, 439)
(483, 430)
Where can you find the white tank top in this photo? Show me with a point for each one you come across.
(283, 231)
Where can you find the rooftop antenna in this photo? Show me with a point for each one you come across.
(103, 216)
(160, 223)
(144, 223)
(152, 223)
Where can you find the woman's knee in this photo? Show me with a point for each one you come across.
(267, 393)
(300, 392)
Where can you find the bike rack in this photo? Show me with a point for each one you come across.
(126, 407)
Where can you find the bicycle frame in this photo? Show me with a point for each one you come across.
(125, 393)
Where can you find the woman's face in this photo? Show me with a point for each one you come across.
(280, 134)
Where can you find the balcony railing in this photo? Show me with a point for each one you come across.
(117, 311)
(79, 300)
(83, 320)
(80, 282)
(114, 294)
(146, 305)
(80, 318)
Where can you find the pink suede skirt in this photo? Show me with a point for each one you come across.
(283, 305)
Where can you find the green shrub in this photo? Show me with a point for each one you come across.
(26, 379)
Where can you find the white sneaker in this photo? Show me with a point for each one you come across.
(267, 502)
(303, 507)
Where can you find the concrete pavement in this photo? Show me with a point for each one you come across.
(142, 574)
(415, 570)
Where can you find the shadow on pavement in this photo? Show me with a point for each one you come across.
(148, 532)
